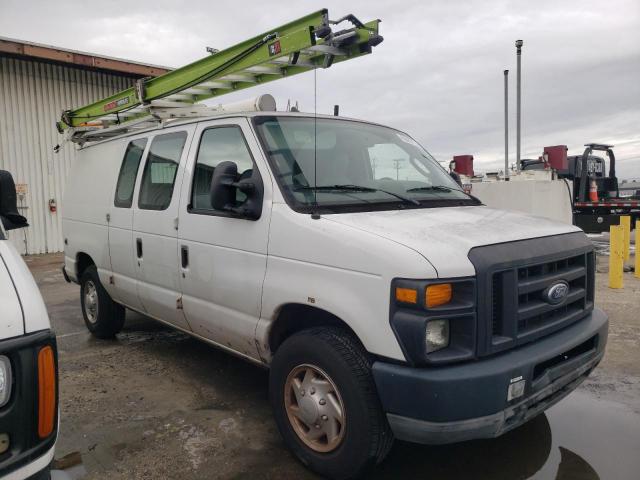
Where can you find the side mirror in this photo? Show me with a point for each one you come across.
(456, 177)
(223, 192)
(9, 215)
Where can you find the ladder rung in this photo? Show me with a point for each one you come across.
(287, 61)
(197, 90)
(212, 85)
(169, 103)
(239, 78)
(264, 70)
(178, 97)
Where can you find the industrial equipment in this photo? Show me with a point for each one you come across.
(603, 208)
(594, 194)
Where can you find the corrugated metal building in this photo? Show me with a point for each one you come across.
(38, 82)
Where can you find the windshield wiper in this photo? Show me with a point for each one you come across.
(357, 188)
(437, 188)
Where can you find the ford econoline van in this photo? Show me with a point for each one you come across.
(386, 302)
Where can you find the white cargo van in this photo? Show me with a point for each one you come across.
(386, 302)
(28, 359)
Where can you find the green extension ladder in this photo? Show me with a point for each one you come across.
(299, 46)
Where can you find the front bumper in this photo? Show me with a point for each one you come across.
(467, 401)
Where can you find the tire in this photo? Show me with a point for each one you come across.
(364, 438)
(102, 316)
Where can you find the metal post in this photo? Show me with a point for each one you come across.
(519, 112)
(506, 124)
(637, 253)
(625, 222)
(616, 256)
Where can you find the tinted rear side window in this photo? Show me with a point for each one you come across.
(129, 172)
(160, 171)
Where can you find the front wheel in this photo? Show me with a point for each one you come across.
(326, 405)
(102, 316)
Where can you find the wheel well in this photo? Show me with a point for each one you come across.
(83, 262)
(295, 317)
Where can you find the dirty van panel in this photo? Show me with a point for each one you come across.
(226, 254)
(86, 204)
(121, 239)
(155, 234)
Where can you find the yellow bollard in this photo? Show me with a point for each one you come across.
(637, 254)
(616, 256)
(625, 221)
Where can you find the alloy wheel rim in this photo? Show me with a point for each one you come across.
(91, 301)
(314, 408)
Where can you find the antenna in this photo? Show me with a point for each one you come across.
(315, 136)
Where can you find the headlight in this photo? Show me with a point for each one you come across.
(5, 380)
(437, 335)
(434, 320)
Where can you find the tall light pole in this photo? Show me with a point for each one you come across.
(519, 44)
(506, 124)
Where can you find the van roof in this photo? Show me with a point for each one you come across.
(187, 121)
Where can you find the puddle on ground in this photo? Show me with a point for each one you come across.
(581, 438)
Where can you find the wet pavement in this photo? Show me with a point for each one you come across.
(157, 404)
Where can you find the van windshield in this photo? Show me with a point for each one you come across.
(331, 163)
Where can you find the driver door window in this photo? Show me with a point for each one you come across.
(219, 144)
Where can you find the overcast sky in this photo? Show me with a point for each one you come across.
(437, 75)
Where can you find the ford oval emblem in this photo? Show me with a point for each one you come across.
(556, 293)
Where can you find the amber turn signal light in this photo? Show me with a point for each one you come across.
(46, 391)
(406, 295)
(439, 294)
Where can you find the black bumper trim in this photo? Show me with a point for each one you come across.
(491, 426)
(454, 397)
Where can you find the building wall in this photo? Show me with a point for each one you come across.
(32, 96)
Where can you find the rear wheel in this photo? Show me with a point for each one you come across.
(326, 405)
(102, 316)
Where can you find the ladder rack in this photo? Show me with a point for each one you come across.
(296, 47)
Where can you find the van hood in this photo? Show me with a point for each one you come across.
(444, 236)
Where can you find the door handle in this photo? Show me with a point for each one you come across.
(184, 256)
(139, 247)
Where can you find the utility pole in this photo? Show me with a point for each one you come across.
(519, 44)
(397, 165)
(506, 124)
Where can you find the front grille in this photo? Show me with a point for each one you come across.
(519, 313)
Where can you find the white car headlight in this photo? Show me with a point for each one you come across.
(5, 380)
(437, 335)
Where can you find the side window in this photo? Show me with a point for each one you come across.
(219, 144)
(160, 171)
(128, 173)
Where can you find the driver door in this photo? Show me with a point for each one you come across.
(223, 256)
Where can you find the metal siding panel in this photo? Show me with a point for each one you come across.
(32, 95)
